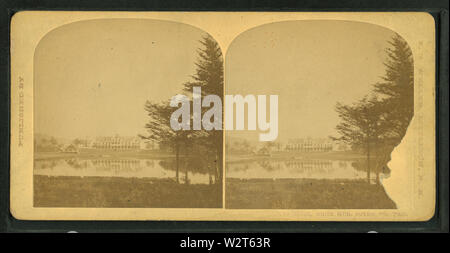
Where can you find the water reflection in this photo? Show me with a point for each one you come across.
(190, 173)
(300, 168)
(305, 184)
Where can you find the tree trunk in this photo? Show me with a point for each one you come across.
(186, 163)
(219, 163)
(177, 154)
(216, 174)
(218, 170)
(209, 174)
(368, 162)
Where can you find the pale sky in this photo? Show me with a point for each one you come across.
(310, 65)
(92, 78)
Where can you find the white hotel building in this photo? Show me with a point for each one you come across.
(119, 143)
(314, 145)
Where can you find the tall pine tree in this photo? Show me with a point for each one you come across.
(209, 77)
(396, 89)
(378, 124)
(159, 130)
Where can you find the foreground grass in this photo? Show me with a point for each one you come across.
(123, 192)
(305, 194)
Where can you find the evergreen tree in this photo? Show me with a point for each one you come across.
(209, 72)
(209, 77)
(378, 124)
(396, 89)
(159, 130)
(363, 125)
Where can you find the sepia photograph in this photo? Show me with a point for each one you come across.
(346, 98)
(101, 117)
(223, 116)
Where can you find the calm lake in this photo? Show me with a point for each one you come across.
(305, 184)
(123, 168)
(264, 184)
(124, 182)
(298, 168)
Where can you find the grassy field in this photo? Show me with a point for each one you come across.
(123, 192)
(305, 194)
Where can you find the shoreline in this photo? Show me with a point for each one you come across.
(346, 156)
(105, 155)
(229, 159)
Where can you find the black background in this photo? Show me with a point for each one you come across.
(439, 223)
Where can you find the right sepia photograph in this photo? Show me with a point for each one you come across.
(345, 100)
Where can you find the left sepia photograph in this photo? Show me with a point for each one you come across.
(102, 134)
